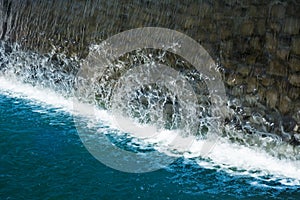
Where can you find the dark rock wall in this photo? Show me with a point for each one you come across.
(257, 42)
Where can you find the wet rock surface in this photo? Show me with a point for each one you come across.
(256, 43)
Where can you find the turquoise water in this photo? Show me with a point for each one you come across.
(42, 157)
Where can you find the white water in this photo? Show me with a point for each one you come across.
(233, 158)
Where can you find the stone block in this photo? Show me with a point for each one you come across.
(277, 68)
(294, 79)
(243, 70)
(266, 81)
(251, 85)
(271, 42)
(247, 28)
(225, 32)
(285, 41)
(219, 16)
(292, 9)
(282, 84)
(189, 22)
(208, 24)
(275, 27)
(252, 11)
(259, 70)
(205, 10)
(292, 26)
(255, 43)
(285, 104)
(272, 97)
(226, 48)
(283, 53)
(229, 65)
(262, 11)
(294, 63)
(278, 11)
(296, 45)
(194, 8)
(261, 27)
(294, 93)
(250, 60)
(214, 37)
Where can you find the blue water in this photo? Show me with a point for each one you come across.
(42, 157)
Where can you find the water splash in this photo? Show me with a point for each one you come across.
(49, 81)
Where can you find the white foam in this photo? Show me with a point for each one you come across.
(257, 162)
(232, 158)
(44, 96)
(16, 89)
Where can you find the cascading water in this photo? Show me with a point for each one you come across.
(257, 154)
